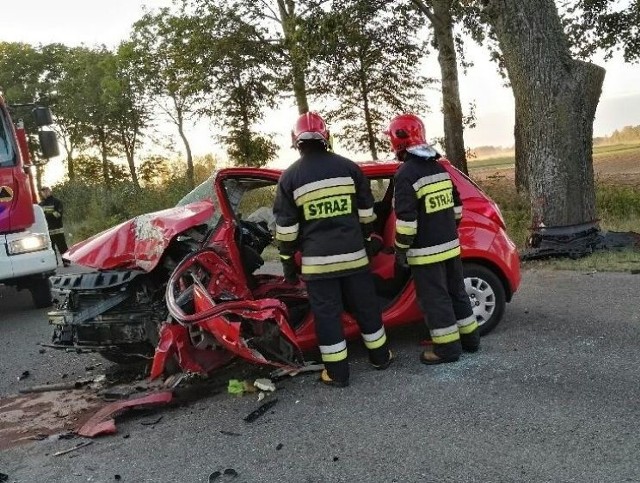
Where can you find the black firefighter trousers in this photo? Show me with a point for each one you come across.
(446, 306)
(326, 301)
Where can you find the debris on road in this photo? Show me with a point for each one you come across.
(265, 385)
(152, 422)
(63, 386)
(227, 472)
(279, 447)
(103, 421)
(235, 387)
(229, 433)
(24, 375)
(4, 477)
(251, 417)
(285, 371)
(75, 448)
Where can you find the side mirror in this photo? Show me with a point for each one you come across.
(42, 116)
(48, 144)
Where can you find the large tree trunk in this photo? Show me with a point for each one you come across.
(451, 106)
(556, 99)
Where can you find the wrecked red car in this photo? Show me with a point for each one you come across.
(190, 284)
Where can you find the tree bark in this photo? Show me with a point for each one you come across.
(289, 22)
(105, 160)
(556, 99)
(451, 106)
(190, 172)
(129, 150)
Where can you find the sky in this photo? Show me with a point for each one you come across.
(93, 22)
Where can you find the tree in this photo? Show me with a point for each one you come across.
(23, 71)
(556, 98)
(595, 25)
(243, 81)
(368, 64)
(179, 88)
(288, 31)
(441, 16)
(130, 106)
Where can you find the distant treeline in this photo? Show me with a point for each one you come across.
(628, 134)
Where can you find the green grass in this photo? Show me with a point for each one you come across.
(618, 208)
(610, 261)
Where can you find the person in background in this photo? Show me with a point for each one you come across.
(324, 208)
(428, 211)
(53, 211)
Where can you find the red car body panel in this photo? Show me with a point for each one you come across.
(482, 237)
(140, 242)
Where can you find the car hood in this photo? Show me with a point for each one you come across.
(140, 242)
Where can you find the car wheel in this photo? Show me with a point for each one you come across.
(40, 292)
(486, 294)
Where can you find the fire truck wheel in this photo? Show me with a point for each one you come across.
(40, 292)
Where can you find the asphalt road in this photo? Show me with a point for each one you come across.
(554, 395)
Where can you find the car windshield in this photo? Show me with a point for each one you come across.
(7, 153)
(205, 191)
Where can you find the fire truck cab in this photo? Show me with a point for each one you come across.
(26, 256)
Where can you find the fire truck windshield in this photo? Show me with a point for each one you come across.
(7, 152)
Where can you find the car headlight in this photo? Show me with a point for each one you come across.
(29, 243)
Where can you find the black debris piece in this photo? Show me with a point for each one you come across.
(279, 447)
(576, 242)
(117, 477)
(24, 375)
(335, 458)
(42, 351)
(4, 477)
(152, 422)
(214, 476)
(250, 418)
(126, 436)
(230, 433)
(231, 472)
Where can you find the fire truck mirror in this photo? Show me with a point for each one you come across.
(48, 144)
(42, 116)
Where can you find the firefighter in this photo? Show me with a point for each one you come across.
(53, 210)
(324, 208)
(428, 211)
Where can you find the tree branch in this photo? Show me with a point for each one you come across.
(422, 7)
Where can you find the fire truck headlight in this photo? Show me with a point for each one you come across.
(30, 243)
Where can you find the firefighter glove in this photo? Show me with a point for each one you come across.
(401, 266)
(373, 245)
(289, 268)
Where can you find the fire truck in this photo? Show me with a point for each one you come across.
(27, 258)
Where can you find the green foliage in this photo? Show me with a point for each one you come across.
(238, 62)
(594, 25)
(369, 66)
(618, 202)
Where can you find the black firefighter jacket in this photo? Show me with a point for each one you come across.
(321, 201)
(428, 207)
(53, 213)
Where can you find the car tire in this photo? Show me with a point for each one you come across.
(41, 292)
(487, 296)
